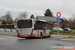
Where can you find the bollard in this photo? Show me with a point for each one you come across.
(11, 32)
(5, 31)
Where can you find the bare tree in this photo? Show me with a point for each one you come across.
(16, 19)
(22, 15)
(8, 13)
(73, 17)
(7, 18)
(70, 19)
(73, 20)
(3, 20)
(63, 18)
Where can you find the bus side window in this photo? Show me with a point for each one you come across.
(47, 26)
(37, 27)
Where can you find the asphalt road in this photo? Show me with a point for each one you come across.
(14, 43)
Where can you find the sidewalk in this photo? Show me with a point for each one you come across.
(64, 37)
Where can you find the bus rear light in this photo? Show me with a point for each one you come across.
(18, 32)
(32, 31)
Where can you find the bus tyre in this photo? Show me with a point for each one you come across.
(49, 34)
(41, 35)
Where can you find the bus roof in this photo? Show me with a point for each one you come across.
(32, 19)
(42, 20)
(22, 18)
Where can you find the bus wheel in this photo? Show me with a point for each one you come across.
(49, 34)
(41, 35)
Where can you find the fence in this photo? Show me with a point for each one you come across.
(8, 33)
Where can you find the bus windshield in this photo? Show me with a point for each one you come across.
(24, 23)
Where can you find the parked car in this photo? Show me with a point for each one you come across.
(67, 29)
(56, 28)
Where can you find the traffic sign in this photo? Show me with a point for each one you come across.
(58, 14)
(58, 19)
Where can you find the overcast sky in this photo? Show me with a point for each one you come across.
(37, 7)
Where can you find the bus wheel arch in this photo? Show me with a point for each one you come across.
(41, 35)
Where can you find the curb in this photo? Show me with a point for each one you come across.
(67, 39)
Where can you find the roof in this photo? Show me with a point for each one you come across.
(42, 20)
(68, 21)
(47, 18)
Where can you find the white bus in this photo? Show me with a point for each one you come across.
(28, 28)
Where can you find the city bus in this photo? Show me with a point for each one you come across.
(29, 28)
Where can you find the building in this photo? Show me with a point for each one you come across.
(50, 20)
(67, 23)
(73, 24)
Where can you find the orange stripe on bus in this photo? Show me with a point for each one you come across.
(33, 35)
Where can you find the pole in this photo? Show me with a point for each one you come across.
(58, 28)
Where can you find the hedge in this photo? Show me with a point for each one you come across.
(73, 31)
(6, 26)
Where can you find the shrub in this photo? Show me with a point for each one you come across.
(54, 30)
(6, 26)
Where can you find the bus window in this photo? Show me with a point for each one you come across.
(24, 24)
(38, 25)
(47, 26)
